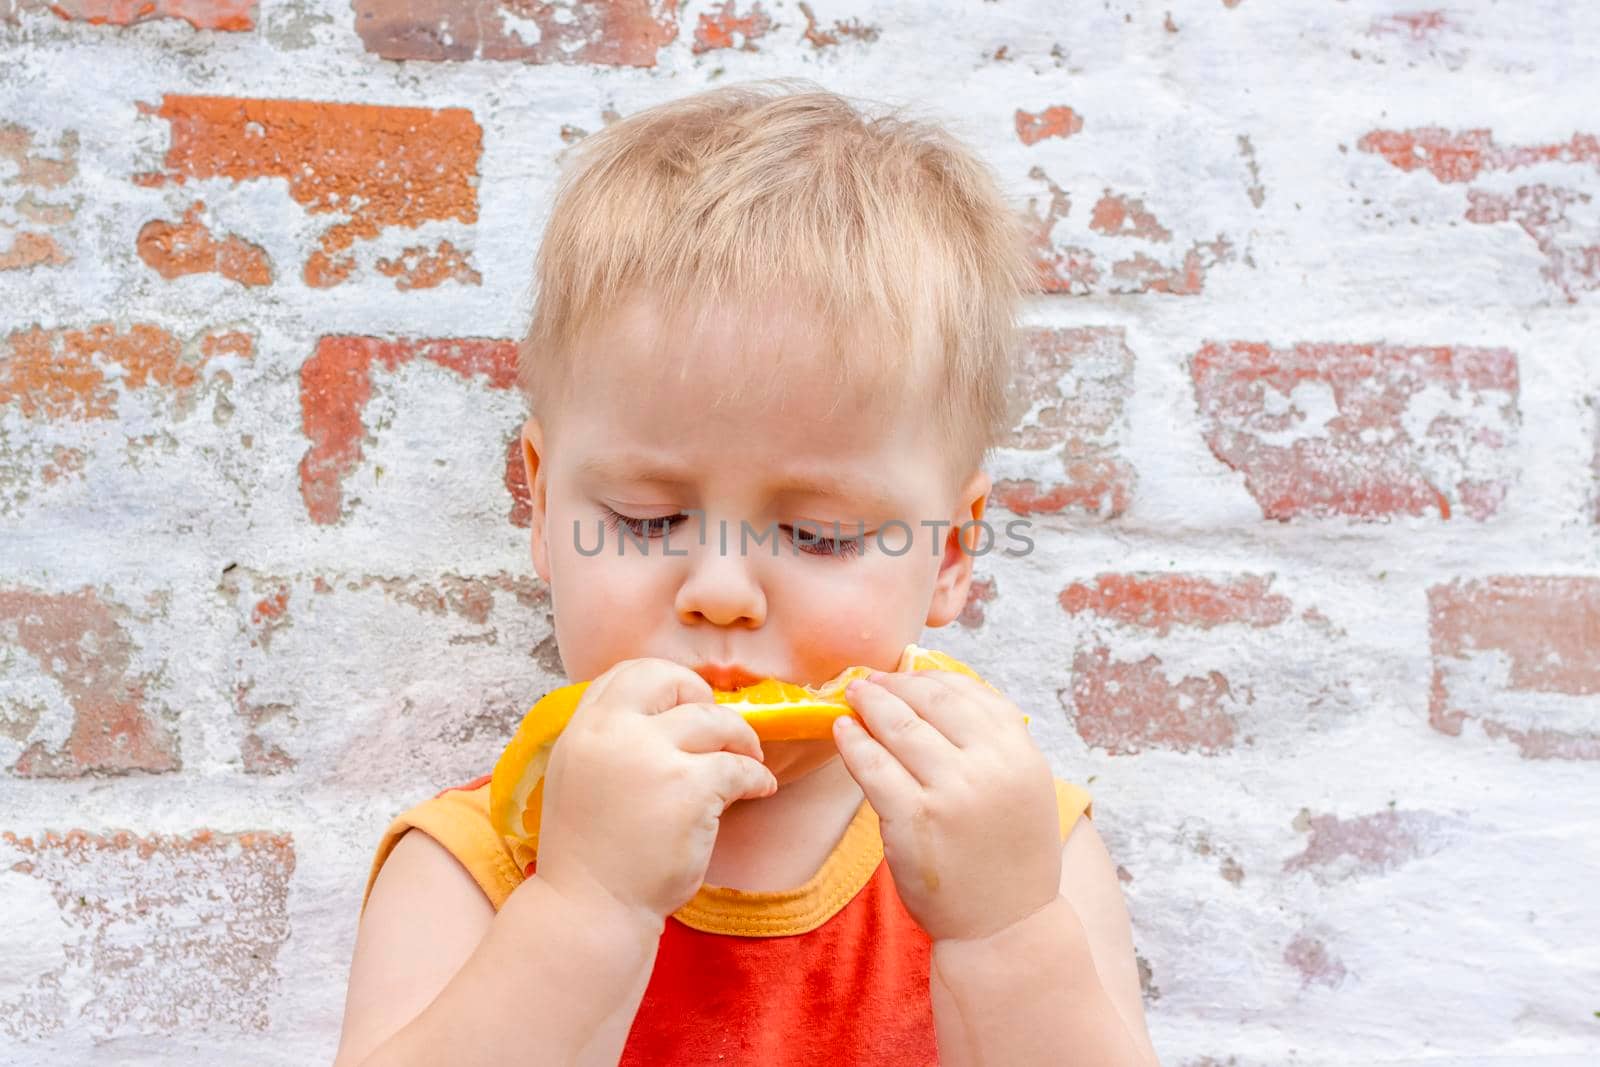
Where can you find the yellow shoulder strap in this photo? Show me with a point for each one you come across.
(459, 820)
(1071, 802)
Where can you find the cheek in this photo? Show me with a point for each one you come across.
(867, 618)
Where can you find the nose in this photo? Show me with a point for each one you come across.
(721, 588)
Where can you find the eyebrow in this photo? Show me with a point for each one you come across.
(647, 468)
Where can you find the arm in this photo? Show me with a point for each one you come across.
(438, 976)
(1059, 987)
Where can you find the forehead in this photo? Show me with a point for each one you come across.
(760, 388)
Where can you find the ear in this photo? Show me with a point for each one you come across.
(532, 465)
(954, 579)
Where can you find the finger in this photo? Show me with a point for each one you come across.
(917, 745)
(654, 685)
(736, 777)
(702, 727)
(960, 714)
(889, 787)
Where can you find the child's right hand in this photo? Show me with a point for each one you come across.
(637, 784)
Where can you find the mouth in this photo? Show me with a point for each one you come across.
(727, 677)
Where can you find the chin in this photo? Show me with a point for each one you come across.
(788, 760)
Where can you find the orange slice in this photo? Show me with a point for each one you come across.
(779, 711)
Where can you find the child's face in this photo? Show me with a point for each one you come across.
(800, 614)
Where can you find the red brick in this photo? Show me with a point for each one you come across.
(1419, 25)
(721, 27)
(1520, 656)
(61, 374)
(398, 166)
(1310, 956)
(979, 593)
(1461, 156)
(1126, 216)
(516, 480)
(226, 15)
(419, 268)
(1158, 602)
(1126, 702)
(1127, 707)
(83, 645)
(1363, 461)
(619, 33)
(1070, 390)
(152, 935)
(336, 383)
(819, 38)
(1056, 121)
(39, 194)
(1065, 266)
(174, 249)
(1368, 845)
(1542, 212)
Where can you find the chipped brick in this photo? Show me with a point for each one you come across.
(1126, 216)
(979, 592)
(152, 935)
(829, 38)
(618, 33)
(419, 268)
(1419, 25)
(82, 644)
(1057, 121)
(1069, 266)
(336, 383)
(1158, 602)
(1125, 708)
(61, 374)
(1462, 156)
(1367, 431)
(174, 249)
(225, 15)
(1309, 956)
(516, 480)
(1568, 239)
(1571, 247)
(380, 167)
(1520, 656)
(38, 191)
(1368, 845)
(1071, 388)
(724, 27)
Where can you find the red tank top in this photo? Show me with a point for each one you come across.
(834, 971)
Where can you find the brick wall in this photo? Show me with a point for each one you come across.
(1313, 458)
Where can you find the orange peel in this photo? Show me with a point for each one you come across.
(778, 710)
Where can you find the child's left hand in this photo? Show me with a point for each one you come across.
(966, 801)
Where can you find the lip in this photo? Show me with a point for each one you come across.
(726, 676)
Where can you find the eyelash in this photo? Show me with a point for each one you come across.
(840, 548)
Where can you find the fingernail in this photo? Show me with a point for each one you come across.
(877, 676)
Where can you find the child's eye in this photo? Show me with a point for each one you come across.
(640, 527)
(835, 547)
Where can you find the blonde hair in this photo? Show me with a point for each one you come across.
(880, 228)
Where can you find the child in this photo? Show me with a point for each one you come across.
(767, 313)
